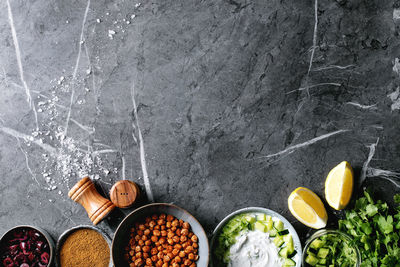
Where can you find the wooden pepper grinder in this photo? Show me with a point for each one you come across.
(96, 206)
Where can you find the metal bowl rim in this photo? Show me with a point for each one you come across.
(160, 204)
(66, 233)
(43, 232)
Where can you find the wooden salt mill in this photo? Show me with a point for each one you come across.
(96, 206)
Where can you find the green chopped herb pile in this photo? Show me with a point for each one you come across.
(375, 232)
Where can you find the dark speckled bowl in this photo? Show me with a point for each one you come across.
(121, 237)
(42, 232)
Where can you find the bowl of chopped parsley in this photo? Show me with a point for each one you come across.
(331, 248)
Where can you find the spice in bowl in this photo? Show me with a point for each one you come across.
(162, 240)
(85, 247)
(24, 247)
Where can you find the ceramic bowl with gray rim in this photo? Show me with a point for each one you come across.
(48, 238)
(296, 240)
(65, 235)
(121, 236)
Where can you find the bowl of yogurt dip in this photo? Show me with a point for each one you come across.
(255, 237)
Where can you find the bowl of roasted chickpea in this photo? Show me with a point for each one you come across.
(161, 235)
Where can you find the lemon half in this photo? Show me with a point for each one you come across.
(308, 208)
(339, 186)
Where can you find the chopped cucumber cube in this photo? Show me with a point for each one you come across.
(260, 227)
(289, 262)
(284, 252)
(272, 232)
(250, 219)
(283, 232)
(311, 260)
(278, 241)
(261, 217)
(317, 243)
(323, 252)
(278, 224)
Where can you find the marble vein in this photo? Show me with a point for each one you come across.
(333, 67)
(314, 41)
(81, 40)
(19, 63)
(74, 73)
(291, 149)
(361, 105)
(141, 148)
(314, 85)
(27, 161)
(16, 134)
(371, 154)
(89, 130)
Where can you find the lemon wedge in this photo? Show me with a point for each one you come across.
(339, 186)
(308, 208)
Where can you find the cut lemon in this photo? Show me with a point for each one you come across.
(308, 208)
(339, 186)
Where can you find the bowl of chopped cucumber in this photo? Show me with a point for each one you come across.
(255, 237)
(330, 248)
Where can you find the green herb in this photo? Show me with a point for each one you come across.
(374, 231)
(331, 249)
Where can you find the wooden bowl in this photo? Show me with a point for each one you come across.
(48, 238)
(64, 236)
(121, 236)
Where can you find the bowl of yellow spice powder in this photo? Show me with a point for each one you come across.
(83, 246)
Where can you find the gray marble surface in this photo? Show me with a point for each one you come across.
(212, 105)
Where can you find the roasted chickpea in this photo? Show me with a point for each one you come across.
(182, 254)
(146, 255)
(163, 227)
(154, 251)
(187, 262)
(168, 224)
(193, 265)
(175, 223)
(160, 222)
(154, 258)
(154, 238)
(140, 242)
(164, 233)
(147, 243)
(175, 239)
(175, 252)
(167, 258)
(183, 238)
(184, 232)
(170, 241)
(162, 240)
(152, 224)
(138, 262)
(156, 233)
(170, 218)
(194, 239)
(186, 225)
(146, 232)
(165, 264)
(149, 262)
(159, 263)
(195, 245)
(154, 217)
(178, 246)
(191, 256)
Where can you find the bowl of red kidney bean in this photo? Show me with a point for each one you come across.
(26, 246)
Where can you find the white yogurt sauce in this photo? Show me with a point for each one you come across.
(254, 249)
